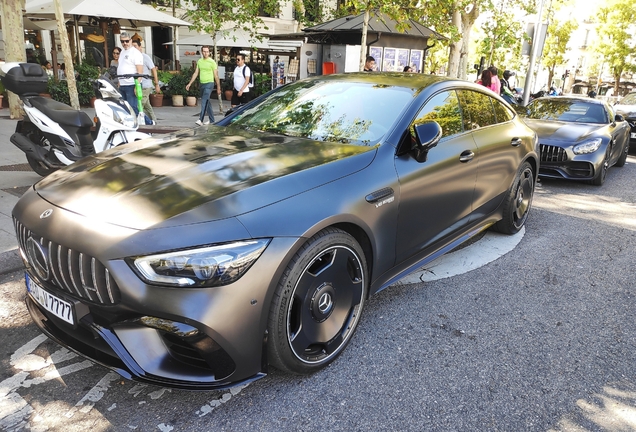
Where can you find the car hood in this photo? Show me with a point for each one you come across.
(198, 175)
(562, 131)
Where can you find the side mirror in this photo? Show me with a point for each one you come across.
(427, 135)
(521, 110)
(619, 118)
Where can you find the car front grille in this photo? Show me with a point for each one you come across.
(553, 154)
(73, 273)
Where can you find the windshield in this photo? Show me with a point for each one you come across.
(567, 111)
(336, 111)
(630, 99)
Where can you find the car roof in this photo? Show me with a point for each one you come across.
(585, 99)
(410, 80)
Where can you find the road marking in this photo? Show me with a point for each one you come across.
(492, 246)
(210, 406)
(14, 410)
(94, 395)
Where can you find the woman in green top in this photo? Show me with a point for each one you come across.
(209, 75)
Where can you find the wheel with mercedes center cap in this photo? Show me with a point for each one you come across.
(318, 303)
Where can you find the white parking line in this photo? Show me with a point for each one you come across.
(492, 246)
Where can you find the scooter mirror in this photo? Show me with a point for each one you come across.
(98, 57)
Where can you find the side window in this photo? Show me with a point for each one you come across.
(478, 107)
(444, 109)
(502, 112)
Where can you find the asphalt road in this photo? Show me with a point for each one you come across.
(540, 339)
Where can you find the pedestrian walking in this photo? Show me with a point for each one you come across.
(208, 72)
(242, 73)
(149, 68)
(130, 62)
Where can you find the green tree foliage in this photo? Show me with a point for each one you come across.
(398, 10)
(503, 33)
(556, 44)
(211, 16)
(616, 37)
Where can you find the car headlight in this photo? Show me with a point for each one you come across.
(586, 147)
(202, 267)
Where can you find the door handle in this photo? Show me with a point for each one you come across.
(466, 156)
(516, 142)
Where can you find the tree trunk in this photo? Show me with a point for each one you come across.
(363, 42)
(617, 83)
(68, 56)
(550, 75)
(468, 20)
(455, 47)
(13, 33)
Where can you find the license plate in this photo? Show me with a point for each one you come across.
(52, 303)
(633, 135)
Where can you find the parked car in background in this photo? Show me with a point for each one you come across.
(580, 138)
(627, 108)
(196, 260)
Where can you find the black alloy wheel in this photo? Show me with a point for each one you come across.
(621, 160)
(518, 203)
(600, 176)
(318, 303)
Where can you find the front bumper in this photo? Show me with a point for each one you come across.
(102, 346)
(560, 162)
(191, 338)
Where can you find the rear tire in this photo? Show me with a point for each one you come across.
(518, 202)
(39, 167)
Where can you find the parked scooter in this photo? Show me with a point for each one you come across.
(54, 134)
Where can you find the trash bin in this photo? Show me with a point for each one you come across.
(328, 68)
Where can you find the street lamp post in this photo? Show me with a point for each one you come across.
(533, 55)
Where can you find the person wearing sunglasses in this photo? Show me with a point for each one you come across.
(242, 72)
(130, 62)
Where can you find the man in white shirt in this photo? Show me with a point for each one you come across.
(242, 72)
(130, 62)
(146, 83)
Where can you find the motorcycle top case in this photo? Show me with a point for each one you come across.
(24, 79)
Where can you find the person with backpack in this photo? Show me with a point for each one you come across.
(243, 80)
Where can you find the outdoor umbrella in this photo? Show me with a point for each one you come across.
(125, 12)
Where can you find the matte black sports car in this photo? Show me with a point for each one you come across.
(580, 138)
(199, 259)
(627, 108)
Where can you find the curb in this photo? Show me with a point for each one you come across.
(10, 261)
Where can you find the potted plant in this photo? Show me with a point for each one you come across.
(228, 85)
(262, 84)
(177, 86)
(156, 99)
(191, 96)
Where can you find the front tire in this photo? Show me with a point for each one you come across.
(318, 303)
(518, 202)
(600, 176)
(621, 160)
